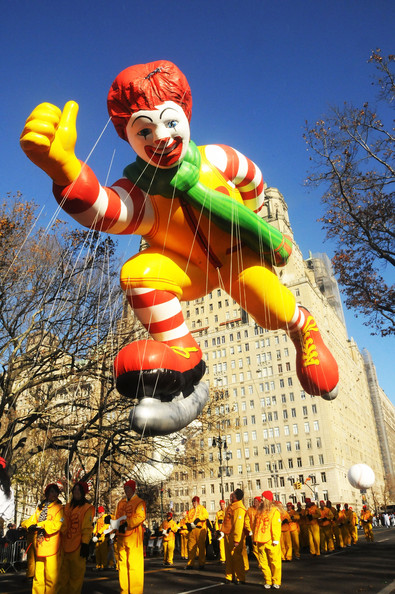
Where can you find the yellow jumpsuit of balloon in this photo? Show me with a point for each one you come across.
(169, 529)
(267, 535)
(197, 536)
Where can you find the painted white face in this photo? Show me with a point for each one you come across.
(160, 136)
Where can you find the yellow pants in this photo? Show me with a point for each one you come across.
(354, 534)
(295, 543)
(184, 545)
(269, 561)
(131, 564)
(168, 551)
(234, 561)
(314, 539)
(222, 556)
(346, 536)
(197, 540)
(101, 552)
(30, 556)
(337, 536)
(368, 531)
(72, 572)
(326, 541)
(253, 284)
(46, 575)
(286, 546)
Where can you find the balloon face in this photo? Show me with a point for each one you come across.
(159, 136)
(361, 476)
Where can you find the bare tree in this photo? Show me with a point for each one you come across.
(353, 150)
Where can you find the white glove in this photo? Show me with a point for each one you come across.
(250, 533)
(114, 524)
(164, 532)
(193, 525)
(221, 535)
(275, 543)
(95, 539)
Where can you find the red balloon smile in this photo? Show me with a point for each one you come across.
(165, 156)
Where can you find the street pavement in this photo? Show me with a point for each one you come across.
(364, 567)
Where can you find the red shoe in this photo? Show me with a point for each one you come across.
(316, 367)
(155, 369)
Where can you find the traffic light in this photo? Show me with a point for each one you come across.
(297, 485)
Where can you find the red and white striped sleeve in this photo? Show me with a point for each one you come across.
(239, 170)
(121, 209)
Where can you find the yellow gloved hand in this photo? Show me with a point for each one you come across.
(49, 138)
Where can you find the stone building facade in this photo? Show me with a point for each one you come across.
(275, 434)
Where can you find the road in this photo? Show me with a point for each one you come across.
(362, 568)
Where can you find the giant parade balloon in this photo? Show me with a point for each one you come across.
(199, 211)
(361, 476)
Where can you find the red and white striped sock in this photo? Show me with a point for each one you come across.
(161, 314)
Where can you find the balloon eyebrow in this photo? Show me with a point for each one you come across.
(142, 116)
(172, 108)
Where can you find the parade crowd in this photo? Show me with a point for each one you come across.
(60, 538)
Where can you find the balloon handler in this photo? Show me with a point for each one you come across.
(198, 209)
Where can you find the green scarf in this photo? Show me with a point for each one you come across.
(182, 181)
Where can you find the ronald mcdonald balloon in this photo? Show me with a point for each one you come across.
(361, 476)
(198, 208)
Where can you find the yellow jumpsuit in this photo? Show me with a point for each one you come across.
(184, 267)
(197, 536)
(101, 545)
(184, 538)
(313, 529)
(294, 532)
(354, 528)
(325, 523)
(250, 514)
(304, 533)
(219, 518)
(76, 529)
(169, 540)
(233, 528)
(366, 520)
(48, 552)
(130, 545)
(267, 535)
(345, 532)
(286, 541)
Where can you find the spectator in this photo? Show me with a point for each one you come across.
(7, 506)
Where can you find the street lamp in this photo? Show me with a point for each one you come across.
(220, 443)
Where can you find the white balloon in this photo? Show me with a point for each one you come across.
(361, 476)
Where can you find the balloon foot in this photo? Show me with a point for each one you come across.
(153, 417)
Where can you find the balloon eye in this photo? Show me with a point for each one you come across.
(144, 132)
(172, 124)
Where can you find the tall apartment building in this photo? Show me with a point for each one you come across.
(276, 435)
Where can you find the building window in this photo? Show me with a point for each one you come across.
(305, 411)
(314, 408)
(286, 429)
(311, 460)
(297, 445)
(295, 429)
(290, 463)
(307, 427)
(288, 446)
(285, 414)
(319, 443)
(323, 477)
(299, 462)
(320, 459)
(316, 426)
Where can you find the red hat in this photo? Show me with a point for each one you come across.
(3, 463)
(322, 501)
(289, 503)
(144, 86)
(267, 495)
(196, 498)
(364, 506)
(307, 500)
(100, 509)
(169, 514)
(130, 483)
(258, 498)
(84, 486)
(221, 501)
(51, 486)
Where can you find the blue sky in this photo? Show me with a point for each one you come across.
(257, 71)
